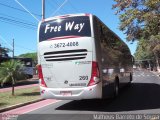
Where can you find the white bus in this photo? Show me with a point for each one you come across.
(81, 58)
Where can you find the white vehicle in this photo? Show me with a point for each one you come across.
(80, 58)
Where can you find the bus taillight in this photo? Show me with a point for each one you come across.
(40, 75)
(95, 74)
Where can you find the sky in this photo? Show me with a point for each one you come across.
(17, 24)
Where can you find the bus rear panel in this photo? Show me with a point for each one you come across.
(67, 62)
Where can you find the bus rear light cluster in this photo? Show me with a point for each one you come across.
(40, 75)
(95, 74)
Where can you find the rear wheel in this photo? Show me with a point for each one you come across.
(131, 78)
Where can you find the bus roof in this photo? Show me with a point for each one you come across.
(65, 16)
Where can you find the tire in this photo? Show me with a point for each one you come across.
(116, 87)
(131, 78)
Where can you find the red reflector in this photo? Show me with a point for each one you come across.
(95, 74)
(95, 71)
(40, 75)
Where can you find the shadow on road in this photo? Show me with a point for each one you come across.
(139, 96)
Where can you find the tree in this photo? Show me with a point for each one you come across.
(8, 72)
(156, 51)
(4, 51)
(143, 51)
(30, 55)
(140, 20)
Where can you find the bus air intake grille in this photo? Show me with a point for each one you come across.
(65, 55)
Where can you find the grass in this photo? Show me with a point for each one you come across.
(21, 96)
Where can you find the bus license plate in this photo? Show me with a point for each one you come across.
(66, 93)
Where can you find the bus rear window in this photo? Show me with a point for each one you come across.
(71, 26)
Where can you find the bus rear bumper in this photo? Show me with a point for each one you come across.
(90, 92)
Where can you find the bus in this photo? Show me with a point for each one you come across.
(27, 68)
(79, 57)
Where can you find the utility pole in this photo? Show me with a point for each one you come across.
(13, 49)
(43, 9)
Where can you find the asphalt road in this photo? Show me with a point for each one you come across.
(141, 98)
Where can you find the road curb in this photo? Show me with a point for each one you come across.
(19, 105)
